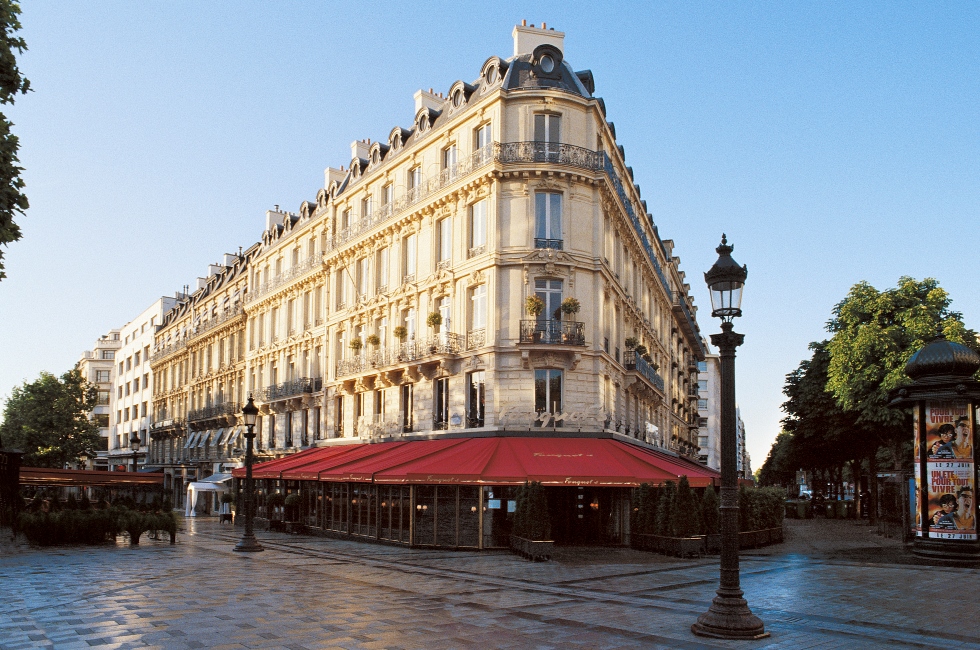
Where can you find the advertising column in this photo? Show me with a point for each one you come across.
(950, 471)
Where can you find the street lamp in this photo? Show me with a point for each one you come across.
(729, 616)
(248, 543)
(134, 444)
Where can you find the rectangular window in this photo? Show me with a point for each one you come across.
(103, 398)
(143, 410)
(440, 409)
(449, 156)
(550, 291)
(407, 398)
(102, 375)
(362, 277)
(410, 244)
(483, 136)
(702, 405)
(382, 265)
(108, 354)
(274, 323)
(547, 220)
(547, 128)
(445, 244)
(127, 388)
(136, 385)
(345, 219)
(125, 414)
(702, 384)
(410, 323)
(387, 194)
(476, 392)
(367, 207)
(415, 178)
(121, 370)
(478, 227)
(338, 415)
(478, 307)
(379, 406)
(547, 391)
(136, 359)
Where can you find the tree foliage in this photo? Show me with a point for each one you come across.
(874, 335)
(12, 83)
(48, 419)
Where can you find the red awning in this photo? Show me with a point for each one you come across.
(83, 477)
(490, 461)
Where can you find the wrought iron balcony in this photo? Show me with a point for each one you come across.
(292, 388)
(555, 244)
(552, 332)
(407, 352)
(633, 361)
(313, 261)
(551, 152)
(222, 409)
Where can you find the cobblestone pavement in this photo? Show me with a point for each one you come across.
(833, 584)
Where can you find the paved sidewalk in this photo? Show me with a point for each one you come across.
(833, 584)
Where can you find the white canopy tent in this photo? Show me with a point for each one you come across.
(216, 483)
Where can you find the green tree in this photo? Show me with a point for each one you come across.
(48, 419)
(874, 335)
(686, 510)
(780, 466)
(12, 83)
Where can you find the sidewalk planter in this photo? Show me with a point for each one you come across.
(759, 538)
(534, 550)
(676, 546)
(712, 544)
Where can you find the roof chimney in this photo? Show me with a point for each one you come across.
(331, 174)
(526, 38)
(360, 149)
(428, 100)
(273, 218)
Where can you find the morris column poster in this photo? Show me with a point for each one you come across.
(950, 470)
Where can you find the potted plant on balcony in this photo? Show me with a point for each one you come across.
(630, 343)
(434, 320)
(641, 351)
(569, 307)
(374, 341)
(532, 523)
(400, 333)
(534, 306)
(356, 345)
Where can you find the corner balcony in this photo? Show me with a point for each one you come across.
(642, 368)
(215, 416)
(552, 332)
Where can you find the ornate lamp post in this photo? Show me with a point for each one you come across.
(134, 445)
(248, 543)
(944, 396)
(729, 616)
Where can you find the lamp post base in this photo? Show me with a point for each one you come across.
(248, 544)
(729, 617)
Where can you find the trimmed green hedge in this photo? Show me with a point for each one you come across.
(677, 510)
(531, 518)
(92, 526)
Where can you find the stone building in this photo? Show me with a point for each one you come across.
(198, 367)
(477, 272)
(98, 366)
(132, 388)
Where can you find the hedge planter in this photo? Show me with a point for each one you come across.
(759, 538)
(534, 550)
(676, 546)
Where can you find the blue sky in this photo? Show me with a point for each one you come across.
(832, 142)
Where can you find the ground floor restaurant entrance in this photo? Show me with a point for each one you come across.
(462, 493)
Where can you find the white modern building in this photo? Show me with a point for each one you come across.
(132, 388)
(709, 414)
(98, 367)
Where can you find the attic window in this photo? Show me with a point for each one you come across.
(458, 98)
(491, 76)
(375, 158)
(547, 64)
(423, 123)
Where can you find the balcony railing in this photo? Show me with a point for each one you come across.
(552, 332)
(476, 338)
(209, 324)
(214, 411)
(311, 262)
(414, 350)
(555, 244)
(633, 361)
(551, 152)
(166, 350)
(293, 388)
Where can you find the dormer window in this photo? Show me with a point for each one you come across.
(547, 64)
(423, 123)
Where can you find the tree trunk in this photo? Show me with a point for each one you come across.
(873, 487)
(856, 480)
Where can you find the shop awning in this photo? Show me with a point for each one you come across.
(233, 436)
(491, 461)
(219, 434)
(82, 477)
(191, 440)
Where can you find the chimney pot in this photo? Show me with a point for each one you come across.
(544, 25)
(524, 23)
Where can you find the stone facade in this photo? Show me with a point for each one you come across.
(396, 303)
(98, 367)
